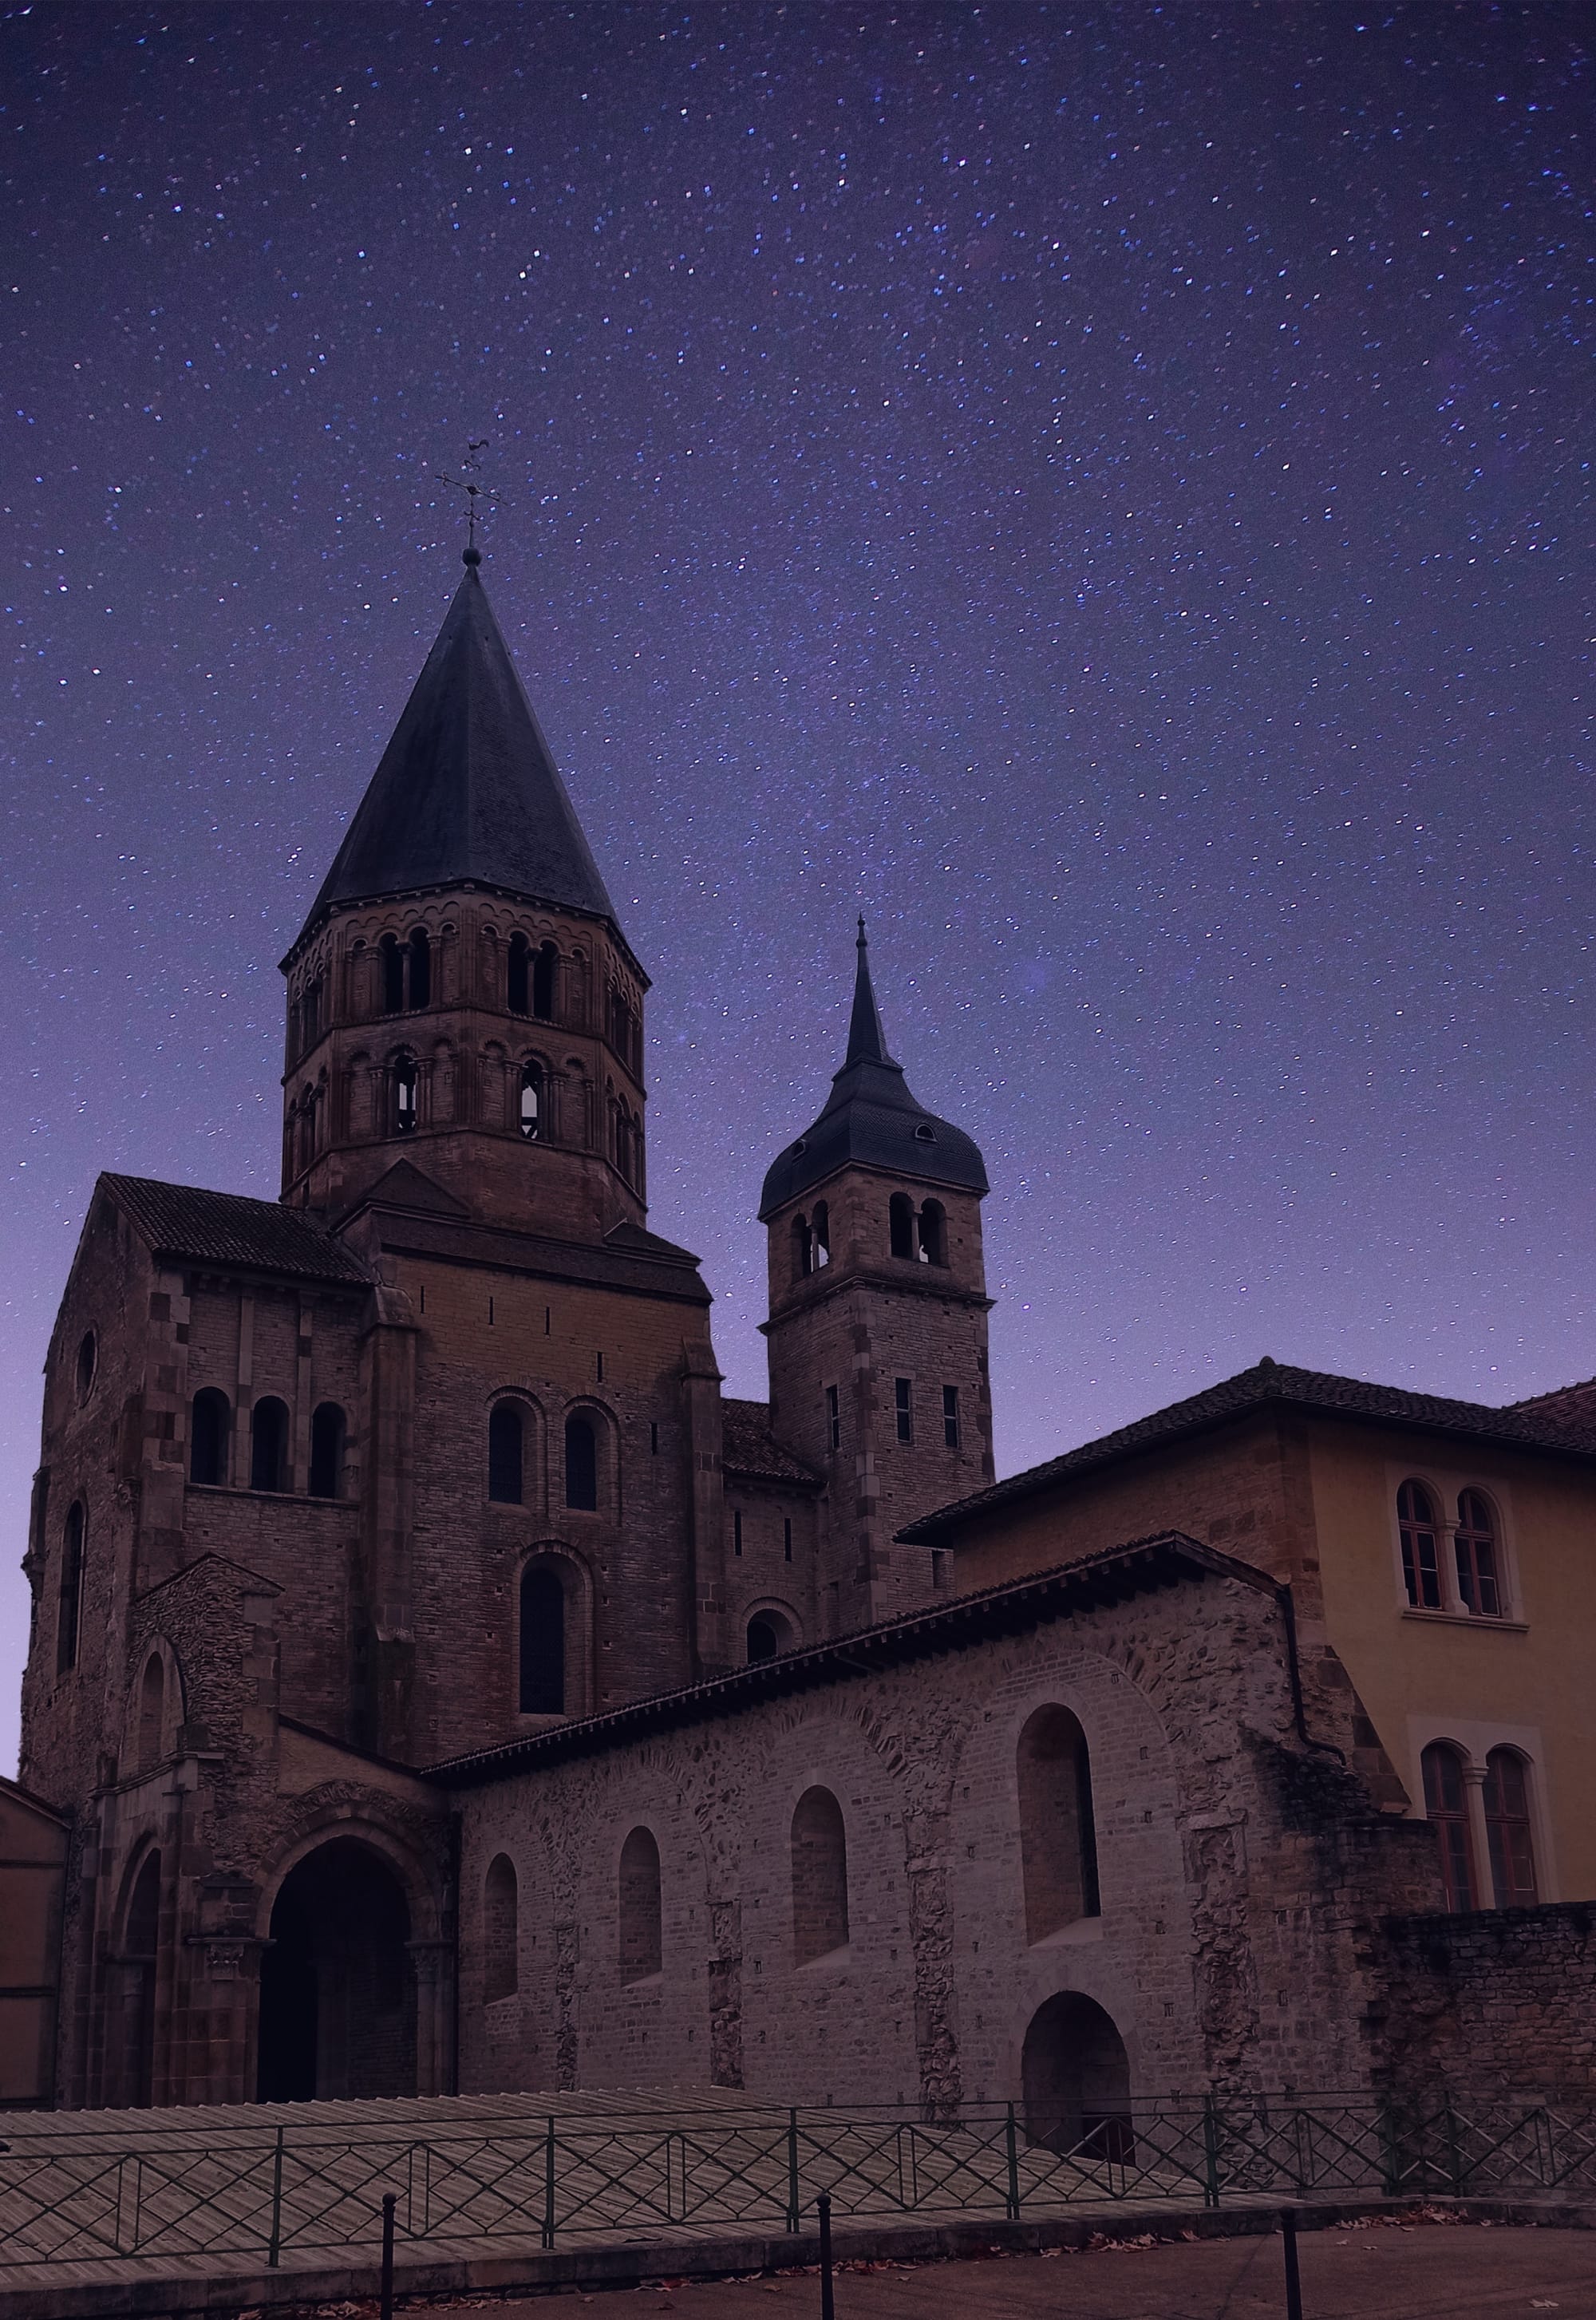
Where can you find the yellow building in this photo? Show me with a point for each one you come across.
(1441, 1557)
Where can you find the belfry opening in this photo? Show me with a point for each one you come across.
(338, 1992)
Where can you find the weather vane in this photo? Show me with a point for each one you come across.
(466, 481)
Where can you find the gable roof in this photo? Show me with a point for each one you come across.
(228, 1229)
(1141, 1567)
(1269, 1385)
(751, 1448)
(467, 789)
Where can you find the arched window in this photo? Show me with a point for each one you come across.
(518, 986)
(542, 1642)
(1422, 1557)
(822, 1235)
(544, 966)
(933, 1234)
(501, 1962)
(421, 969)
(404, 1094)
(531, 1101)
(1445, 1803)
(641, 1928)
(803, 1249)
(504, 1454)
(85, 1364)
(1058, 1833)
(764, 1637)
(393, 975)
(900, 1224)
(210, 1425)
(328, 1434)
(70, 1603)
(820, 1876)
(152, 1710)
(1479, 1576)
(581, 1463)
(268, 1445)
(1508, 1830)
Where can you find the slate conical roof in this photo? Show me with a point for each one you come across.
(467, 788)
(871, 1118)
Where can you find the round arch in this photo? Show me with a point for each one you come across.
(1075, 2078)
(337, 1983)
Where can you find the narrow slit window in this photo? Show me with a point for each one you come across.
(737, 1534)
(69, 1598)
(1445, 1803)
(421, 969)
(1421, 1554)
(531, 1102)
(581, 1463)
(1479, 1579)
(328, 1433)
(641, 1923)
(518, 976)
(903, 1407)
(834, 1417)
(504, 1454)
(391, 963)
(787, 1538)
(950, 1416)
(543, 974)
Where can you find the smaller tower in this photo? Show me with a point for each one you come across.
(877, 1327)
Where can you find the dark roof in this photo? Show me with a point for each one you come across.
(751, 1448)
(1111, 1577)
(467, 788)
(1269, 1386)
(226, 1229)
(628, 1258)
(871, 1120)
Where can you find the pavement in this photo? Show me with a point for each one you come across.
(1367, 2270)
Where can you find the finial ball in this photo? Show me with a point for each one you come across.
(471, 557)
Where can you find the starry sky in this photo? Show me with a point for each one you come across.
(1102, 489)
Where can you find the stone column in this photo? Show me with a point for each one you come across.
(434, 1965)
(1479, 1837)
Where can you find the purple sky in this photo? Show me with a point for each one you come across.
(1098, 489)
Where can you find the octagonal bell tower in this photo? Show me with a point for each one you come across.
(877, 1320)
(461, 997)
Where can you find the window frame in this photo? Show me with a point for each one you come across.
(1447, 1488)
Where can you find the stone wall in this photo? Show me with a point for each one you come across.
(1240, 1867)
(1499, 2001)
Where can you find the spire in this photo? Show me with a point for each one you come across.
(467, 789)
(871, 1120)
(866, 1041)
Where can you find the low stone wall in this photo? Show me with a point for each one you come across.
(1494, 2001)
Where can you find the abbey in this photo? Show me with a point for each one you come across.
(437, 1684)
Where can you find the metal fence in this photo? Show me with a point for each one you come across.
(269, 2189)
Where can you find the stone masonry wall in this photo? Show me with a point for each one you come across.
(1234, 1863)
(1495, 2002)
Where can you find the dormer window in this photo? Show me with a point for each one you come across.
(925, 1133)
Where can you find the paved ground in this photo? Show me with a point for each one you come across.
(1463, 2271)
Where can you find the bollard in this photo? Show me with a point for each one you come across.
(1293, 2286)
(385, 2297)
(828, 2307)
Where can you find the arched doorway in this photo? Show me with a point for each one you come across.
(139, 1950)
(1075, 2076)
(338, 2010)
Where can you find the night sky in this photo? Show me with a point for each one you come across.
(1102, 490)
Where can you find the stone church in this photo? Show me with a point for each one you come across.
(437, 1684)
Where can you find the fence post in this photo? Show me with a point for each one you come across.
(1455, 2150)
(1210, 2153)
(1012, 2151)
(792, 2171)
(548, 2186)
(828, 2307)
(1389, 2146)
(386, 2294)
(273, 2246)
(1293, 2285)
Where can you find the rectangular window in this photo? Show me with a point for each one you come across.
(737, 1534)
(903, 1394)
(788, 1539)
(950, 1416)
(834, 1417)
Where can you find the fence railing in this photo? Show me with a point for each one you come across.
(271, 2189)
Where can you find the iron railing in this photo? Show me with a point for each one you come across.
(271, 2188)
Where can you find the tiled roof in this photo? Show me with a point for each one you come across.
(1271, 1383)
(227, 1229)
(467, 788)
(751, 1448)
(1017, 1606)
